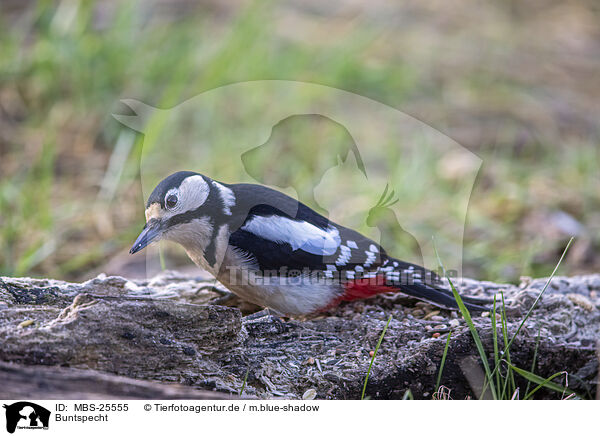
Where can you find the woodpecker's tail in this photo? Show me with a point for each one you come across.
(414, 281)
(443, 297)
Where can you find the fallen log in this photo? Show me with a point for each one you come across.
(166, 330)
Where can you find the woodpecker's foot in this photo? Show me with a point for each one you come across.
(267, 314)
(224, 299)
(260, 314)
(222, 292)
(265, 323)
(225, 294)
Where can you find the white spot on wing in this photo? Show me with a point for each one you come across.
(351, 244)
(344, 257)
(393, 276)
(370, 258)
(299, 234)
(373, 248)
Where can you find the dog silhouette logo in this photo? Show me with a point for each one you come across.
(26, 415)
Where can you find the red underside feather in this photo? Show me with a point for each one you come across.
(364, 288)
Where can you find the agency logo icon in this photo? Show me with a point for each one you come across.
(26, 415)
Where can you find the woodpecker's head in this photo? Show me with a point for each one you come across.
(185, 208)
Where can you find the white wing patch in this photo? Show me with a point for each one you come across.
(299, 234)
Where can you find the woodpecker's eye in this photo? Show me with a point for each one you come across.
(171, 201)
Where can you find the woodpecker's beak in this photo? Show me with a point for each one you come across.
(152, 231)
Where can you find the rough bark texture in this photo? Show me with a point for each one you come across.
(167, 330)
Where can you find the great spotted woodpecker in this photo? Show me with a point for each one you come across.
(276, 252)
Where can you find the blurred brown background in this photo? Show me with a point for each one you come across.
(516, 83)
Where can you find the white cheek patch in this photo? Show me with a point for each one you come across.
(193, 192)
(299, 234)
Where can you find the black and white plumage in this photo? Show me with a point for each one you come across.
(275, 251)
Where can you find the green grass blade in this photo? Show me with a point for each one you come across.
(439, 377)
(408, 395)
(509, 379)
(495, 339)
(161, 256)
(535, 352)
(509, 344)
(244, 383)
(362, 396)
(467, 316)
(542, 382)
(539, 297)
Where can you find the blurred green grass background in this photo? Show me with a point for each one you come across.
(517, 84)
